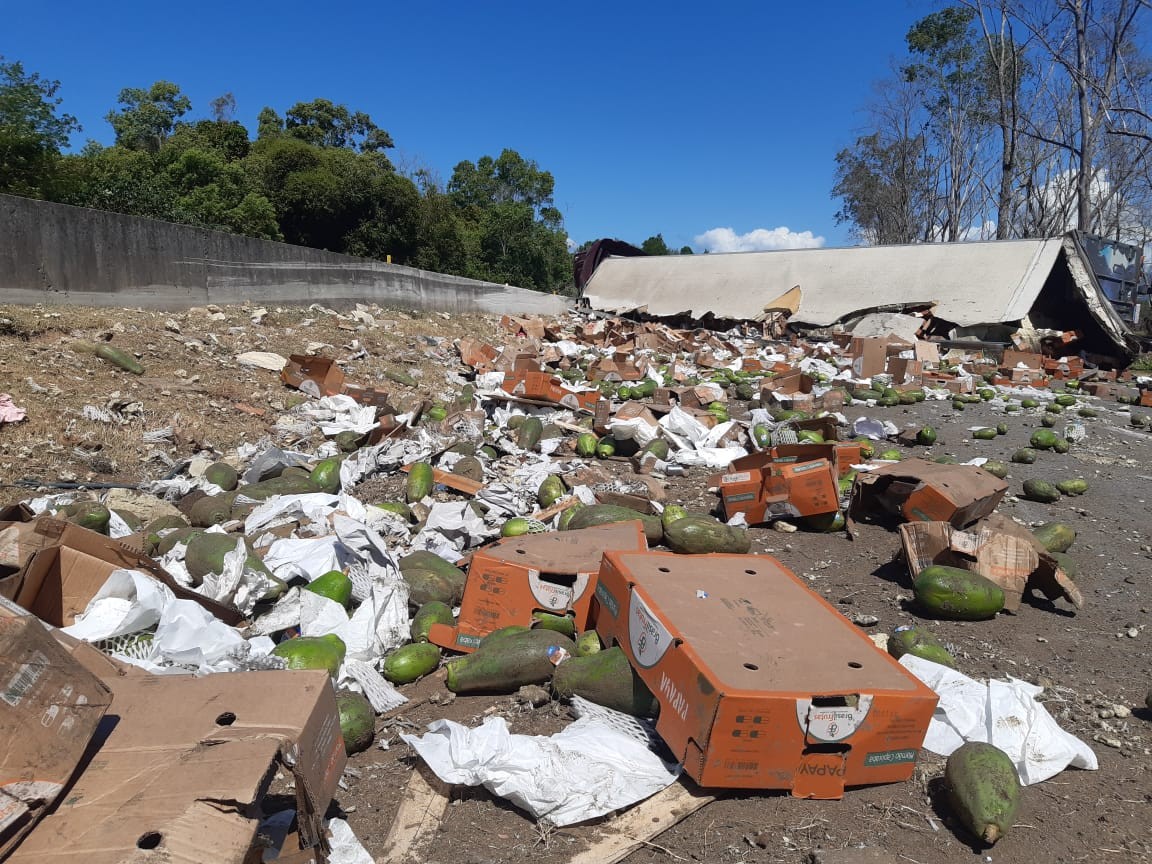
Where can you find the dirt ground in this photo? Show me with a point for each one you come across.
(1089, 661)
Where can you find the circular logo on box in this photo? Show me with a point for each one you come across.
(648, 637)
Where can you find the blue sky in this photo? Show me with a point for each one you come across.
(653, 117)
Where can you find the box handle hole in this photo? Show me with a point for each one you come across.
(750, 572)
(149, 840)
(663, 569)
(854, 665)
(226, 719)
(752, 666)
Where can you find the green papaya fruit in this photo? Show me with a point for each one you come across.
(430, 613)
(983, 789)
(919, 643)
(698, 535)
(949, 592)
(334, 585)
(357, 721)
(529, 434)
(603, 514)
(419, 483)
(1041, 490)
(223, 475)
(608, 679)
(508, 663)
(411, 662)
(1055, 536)
(313, 652)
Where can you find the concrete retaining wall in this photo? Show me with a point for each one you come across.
(57, 254)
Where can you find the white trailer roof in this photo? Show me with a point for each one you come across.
(969, 283)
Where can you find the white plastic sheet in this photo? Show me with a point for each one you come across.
(129, 601)
(582, 772)
(1003, 713)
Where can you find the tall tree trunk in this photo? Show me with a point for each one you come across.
(1087, 133)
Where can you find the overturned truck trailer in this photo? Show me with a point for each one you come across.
(983, 291)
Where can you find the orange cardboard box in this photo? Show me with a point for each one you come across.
(512, 578)
(546, 387)
(792, 480)
(921, 491)
(762, 683)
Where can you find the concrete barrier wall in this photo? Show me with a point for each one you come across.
(57, 254)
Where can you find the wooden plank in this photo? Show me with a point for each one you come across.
(636, 827)
(418, 819)
(452, 481)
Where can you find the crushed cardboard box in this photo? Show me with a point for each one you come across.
(997, 548)
(61, 566)
(51, 708)
(920, 491)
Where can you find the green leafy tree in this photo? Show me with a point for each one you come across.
(511, 228)
(147, 117)
(325, 124)
(269, 124)
(335, 198)
(32, 132)
(686, 250)
(949, 66)
(656, 246)
(885, 190)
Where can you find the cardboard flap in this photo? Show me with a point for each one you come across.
(578, 551)
(1047, 577)
(186, 763)
(105, 554)
(52, 707)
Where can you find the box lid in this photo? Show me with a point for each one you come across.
(184, 762)
(753, 625)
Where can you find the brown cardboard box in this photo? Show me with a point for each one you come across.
(320, 376)
(869, 356)
(1031, 360)
(52, 707)
(762, 684)
(512, 578)
(67, 564)
(790, 383)
(185, 763)
(906, 372)
(920, 491)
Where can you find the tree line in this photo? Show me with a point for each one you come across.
(316, 175)
(1008, 119)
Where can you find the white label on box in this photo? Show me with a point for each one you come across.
(552, 595)
(832, 722)
(738, 477)
(646, 634)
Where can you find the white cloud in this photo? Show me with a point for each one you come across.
(570, 243)
(757, 240)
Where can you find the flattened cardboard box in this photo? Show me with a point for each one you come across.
(50, 707)
(762, 684)
(920, 491)
(181, 765)
(65, 565)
